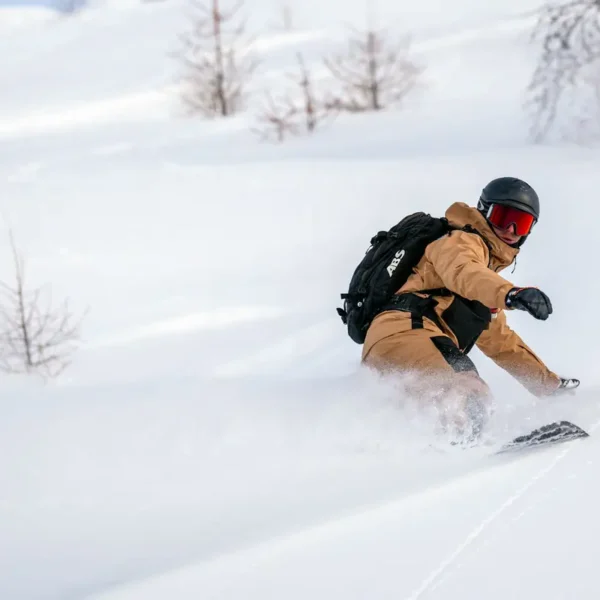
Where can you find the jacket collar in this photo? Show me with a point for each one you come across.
(460, 215)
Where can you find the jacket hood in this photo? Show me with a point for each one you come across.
(460, 214)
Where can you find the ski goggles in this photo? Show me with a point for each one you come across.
(504, 217)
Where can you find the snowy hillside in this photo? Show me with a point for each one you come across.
(215, 437)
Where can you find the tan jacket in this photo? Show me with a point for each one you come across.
(463, 263)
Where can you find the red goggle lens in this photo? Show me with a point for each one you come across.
(504, 217)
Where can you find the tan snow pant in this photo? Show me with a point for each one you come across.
(424, 351)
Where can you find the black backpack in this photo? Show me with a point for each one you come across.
(387, 264)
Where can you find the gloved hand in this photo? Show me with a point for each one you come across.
(534, 301)
(566, 386)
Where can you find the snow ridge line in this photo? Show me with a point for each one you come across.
(436, 574)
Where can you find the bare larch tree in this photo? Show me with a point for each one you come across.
(314, 110)
(298, 111)
(35, 337)
(567, 76)
(374, 73)
(217, 60)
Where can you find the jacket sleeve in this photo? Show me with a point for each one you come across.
(506, 348)
(461, 261)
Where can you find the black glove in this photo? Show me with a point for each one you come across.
(567, 386)
(534, 301)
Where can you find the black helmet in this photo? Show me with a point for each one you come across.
(510, 191)
(514, 193)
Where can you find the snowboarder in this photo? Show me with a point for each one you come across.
(455, 299)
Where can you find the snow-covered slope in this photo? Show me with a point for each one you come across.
(13, 19)
(435, 543)
(215, 437)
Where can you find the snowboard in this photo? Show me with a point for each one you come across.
(551, 434)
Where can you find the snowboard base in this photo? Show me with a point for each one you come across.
(553, 433)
